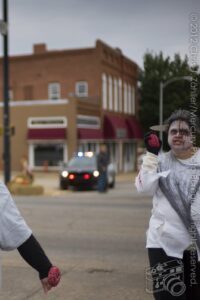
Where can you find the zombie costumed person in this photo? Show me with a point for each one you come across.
(173, 236)
(16, 234)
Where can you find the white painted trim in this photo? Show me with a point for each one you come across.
(90, 140)
(30, 119)
(43, 141)
(36, 102)
(129, 99)
(125, 98)
(110, 92)
(120, 94)
(11, 94)
(88, 125)
(104, 91)
(133, 99)
(115, 95)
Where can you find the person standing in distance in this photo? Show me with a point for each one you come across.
(102, 165)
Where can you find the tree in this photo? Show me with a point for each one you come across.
(175, 95)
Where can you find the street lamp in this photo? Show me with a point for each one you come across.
(162, 86)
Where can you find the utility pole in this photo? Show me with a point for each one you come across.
(6, 115)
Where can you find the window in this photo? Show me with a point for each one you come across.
(129, 100)
(120, 94)
(54, 91)
(104, 91)
(115, 95)
(81, 89)
(129, 155)
(51, 154)
(125, 98)
(133, 99)
(10, 94)
(110, 93)
(84, 147)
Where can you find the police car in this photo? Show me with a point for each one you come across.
(81, 172)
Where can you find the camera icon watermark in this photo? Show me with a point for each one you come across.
(168, 276)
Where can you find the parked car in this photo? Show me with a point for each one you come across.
(81, 172)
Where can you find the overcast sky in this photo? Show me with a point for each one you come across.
(135, 26)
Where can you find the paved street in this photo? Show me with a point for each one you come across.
(97, 240)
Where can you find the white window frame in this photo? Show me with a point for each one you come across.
(116, 107)
(110, 84)
(31, 156)
(133, 99)
(10, 94)
(104, 91)
(129, 99)
(120, 94)
(77, 87)
(125, 98)
(54, 91)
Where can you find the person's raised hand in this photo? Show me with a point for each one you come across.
(152, 142)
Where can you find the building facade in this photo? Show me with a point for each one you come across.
(73, 100)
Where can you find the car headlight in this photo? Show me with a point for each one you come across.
(64, 174)
(96, 173)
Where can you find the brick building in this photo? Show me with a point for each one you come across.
(69, 100)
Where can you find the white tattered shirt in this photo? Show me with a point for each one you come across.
(166, 229)
(13, 229)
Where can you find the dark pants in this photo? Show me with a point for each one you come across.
(102, 182)
(170, 280)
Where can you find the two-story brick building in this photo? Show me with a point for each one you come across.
(69, 100)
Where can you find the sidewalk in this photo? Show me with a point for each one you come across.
(127, 177)
(50, 180)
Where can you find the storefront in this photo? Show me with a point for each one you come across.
(122, 141)
(89, 133)
(45, 133)
(49, 132)
(47, 139)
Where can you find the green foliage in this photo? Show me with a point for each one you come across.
(176, 95)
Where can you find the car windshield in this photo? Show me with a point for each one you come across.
(89, 162)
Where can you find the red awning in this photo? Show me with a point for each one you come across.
(47, 134)
(89, 134)
(115, 127)
(134, 128)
